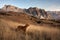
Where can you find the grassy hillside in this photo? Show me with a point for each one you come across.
(37, 29)
(33, 32)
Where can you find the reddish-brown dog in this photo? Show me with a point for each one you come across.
(23, 28)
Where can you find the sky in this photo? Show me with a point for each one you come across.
(48, 5)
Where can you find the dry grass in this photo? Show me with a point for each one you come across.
(43, 33)
(33, 32)
(9, 23)
(7, 34)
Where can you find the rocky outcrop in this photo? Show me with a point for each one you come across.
(53, 15)
(39, 13)
(34, 11)
(12, 8)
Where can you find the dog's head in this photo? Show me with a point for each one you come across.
(26, 25)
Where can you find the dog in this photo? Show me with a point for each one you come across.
(23, 28)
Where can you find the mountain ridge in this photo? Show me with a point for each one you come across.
(34, 11)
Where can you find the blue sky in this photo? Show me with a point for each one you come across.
(50, 5)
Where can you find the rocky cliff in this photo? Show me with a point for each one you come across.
(11, 8)
(39, 13)
(34, 11)
(53, 15)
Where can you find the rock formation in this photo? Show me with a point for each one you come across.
(39, 13)
(11, 8)
(34, 11)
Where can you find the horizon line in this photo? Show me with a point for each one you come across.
(29, 7)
